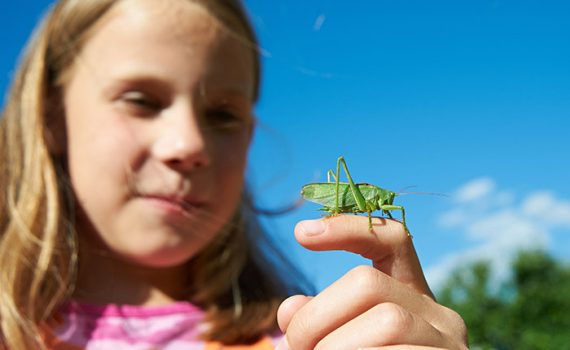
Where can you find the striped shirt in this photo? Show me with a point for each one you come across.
(172, 327)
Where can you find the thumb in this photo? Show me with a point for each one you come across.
(288, 308)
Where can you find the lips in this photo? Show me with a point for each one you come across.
(174, 201)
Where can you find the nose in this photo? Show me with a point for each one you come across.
(181, 143)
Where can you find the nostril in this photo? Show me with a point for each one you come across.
(198, 164)
(187, 164)
(183, 153)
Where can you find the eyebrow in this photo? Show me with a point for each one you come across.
(157, 83)
(120, 82)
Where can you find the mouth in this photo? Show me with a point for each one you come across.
(173, 203)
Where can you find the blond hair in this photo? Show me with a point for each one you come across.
(38, 252)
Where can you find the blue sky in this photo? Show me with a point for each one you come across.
(465, 98)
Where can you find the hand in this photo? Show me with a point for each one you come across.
(384, 306)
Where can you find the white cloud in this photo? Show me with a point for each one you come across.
(544, 206)
(497, 226)
(474, 190)
(504, 198)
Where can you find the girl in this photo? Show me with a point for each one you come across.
(123, 217)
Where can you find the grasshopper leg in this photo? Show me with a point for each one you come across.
(358, 197)
(398, 207)
(330, 174)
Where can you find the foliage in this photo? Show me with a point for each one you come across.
(529, 311)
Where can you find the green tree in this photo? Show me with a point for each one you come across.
(529, 311)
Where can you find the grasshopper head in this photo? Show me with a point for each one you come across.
(388, 198)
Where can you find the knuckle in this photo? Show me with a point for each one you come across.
(455, 319)
(299, 332)
(457, 327)
(393, 320)
(461, 329)
(364, 278)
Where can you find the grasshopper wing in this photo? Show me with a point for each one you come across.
(325, 194)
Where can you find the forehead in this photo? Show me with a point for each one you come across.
(182, 22)
(167, 35)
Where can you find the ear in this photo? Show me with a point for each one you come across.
(55, 133)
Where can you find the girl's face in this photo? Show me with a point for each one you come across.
(158, 115)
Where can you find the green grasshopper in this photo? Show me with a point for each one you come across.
(341, 197)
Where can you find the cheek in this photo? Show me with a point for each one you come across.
(100, 161)
(99, 139)
(230, 161)
(97, 153)
(98, 135)
(233, 147)
(231, 155)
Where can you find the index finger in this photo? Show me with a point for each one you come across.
(388, 246)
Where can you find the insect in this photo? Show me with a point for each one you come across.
(348, 197)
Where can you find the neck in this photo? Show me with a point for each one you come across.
(104, 278)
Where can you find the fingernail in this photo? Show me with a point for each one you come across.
(283, 345)
(312, 227)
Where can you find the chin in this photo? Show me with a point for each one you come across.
(163, 258)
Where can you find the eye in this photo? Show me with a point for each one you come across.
(140, 103)
(226, 118)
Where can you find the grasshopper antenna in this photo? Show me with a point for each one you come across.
(427, 193)
(403, 192)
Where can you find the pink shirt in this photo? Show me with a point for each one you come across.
(172, 327)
